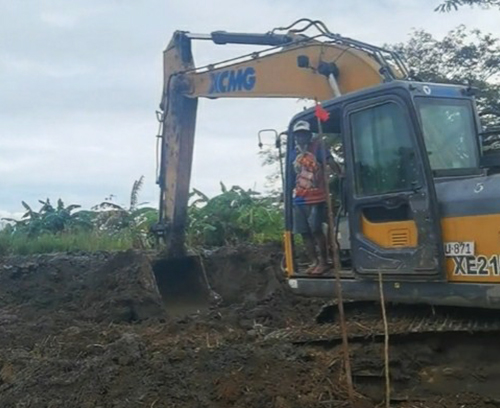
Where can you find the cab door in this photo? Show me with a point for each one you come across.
(392, 207)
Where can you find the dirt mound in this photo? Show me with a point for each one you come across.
(91, 330)
(253, 288)
(99, 287)
(245, 274)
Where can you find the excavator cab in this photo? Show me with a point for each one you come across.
(422, 207)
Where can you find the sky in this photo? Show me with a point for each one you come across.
(80, 81)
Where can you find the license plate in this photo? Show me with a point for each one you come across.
(459, 249)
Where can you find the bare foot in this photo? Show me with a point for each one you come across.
(312, 268)
(320, 269)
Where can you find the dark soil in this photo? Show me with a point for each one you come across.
(92, 330)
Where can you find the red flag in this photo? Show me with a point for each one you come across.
(321, 113)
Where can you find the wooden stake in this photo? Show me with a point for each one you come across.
(386, 344)
(336, 267)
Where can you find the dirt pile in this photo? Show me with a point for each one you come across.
(90, 330)
(254, 290)
(98, 287)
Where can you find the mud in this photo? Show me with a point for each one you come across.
(92, 330)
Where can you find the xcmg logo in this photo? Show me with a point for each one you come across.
(233, 80)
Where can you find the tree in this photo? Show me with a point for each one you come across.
(450, 5)
(269, 156)
(461, 57)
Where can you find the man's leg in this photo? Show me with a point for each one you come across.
(301, 226)
(311, 250)
(322, 245)
(316, 220)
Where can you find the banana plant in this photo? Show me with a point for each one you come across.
(234, 216)
(51, 219)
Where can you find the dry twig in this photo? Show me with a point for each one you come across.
(386, 343)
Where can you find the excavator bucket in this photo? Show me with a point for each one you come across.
(183, 285)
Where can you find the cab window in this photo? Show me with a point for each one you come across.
(384, 154)
(449, 133)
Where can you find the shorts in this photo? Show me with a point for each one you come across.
(309, 218)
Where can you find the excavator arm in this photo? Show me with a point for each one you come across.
(296, 66)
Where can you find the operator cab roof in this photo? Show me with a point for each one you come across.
(413, 88)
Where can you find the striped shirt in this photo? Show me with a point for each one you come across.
(309, 177)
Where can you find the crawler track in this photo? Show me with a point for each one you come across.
(364, 321)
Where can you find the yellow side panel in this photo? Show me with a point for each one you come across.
(394, 234)
(484, 231)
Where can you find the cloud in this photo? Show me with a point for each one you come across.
(8, 215)
(60, 20)
(43, 68)
(82, 80)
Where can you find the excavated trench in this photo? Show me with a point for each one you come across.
(103, 330)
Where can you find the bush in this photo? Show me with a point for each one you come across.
(235, 216)
(232, 217)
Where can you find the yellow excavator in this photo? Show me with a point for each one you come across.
(420, 196)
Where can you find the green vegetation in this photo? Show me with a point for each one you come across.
(61, 228)
(234, 216)
(450, 5)
(461, 57)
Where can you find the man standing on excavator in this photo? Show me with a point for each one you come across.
(310, 207)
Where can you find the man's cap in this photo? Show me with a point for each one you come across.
(302, 125)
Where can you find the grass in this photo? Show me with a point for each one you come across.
(75, 241)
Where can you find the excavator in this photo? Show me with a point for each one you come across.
(420, 200)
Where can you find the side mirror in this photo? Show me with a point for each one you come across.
(271, 133)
